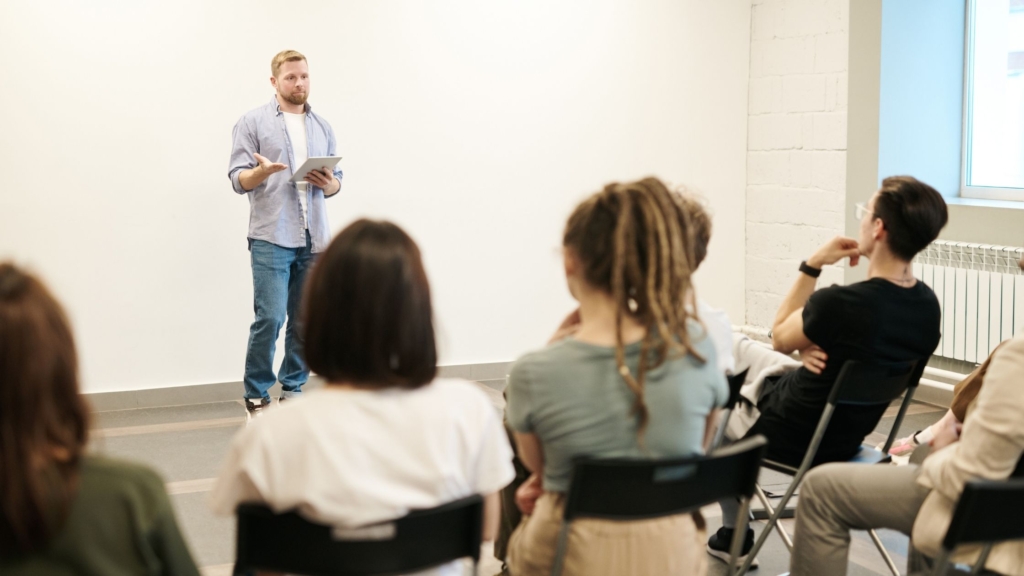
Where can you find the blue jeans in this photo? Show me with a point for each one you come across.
(277, 278)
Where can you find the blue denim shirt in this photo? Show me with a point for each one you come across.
(275, 214)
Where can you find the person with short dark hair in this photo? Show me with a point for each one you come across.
(890, 317)
(384, 436)
(63, 511)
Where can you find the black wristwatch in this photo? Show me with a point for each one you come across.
(810, 270)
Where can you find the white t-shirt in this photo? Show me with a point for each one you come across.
(720, 330)
(296, 125)
(349, 458)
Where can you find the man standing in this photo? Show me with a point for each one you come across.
(287, 221)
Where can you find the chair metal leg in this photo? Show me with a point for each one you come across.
(766, 512)
(563, 543)
(885, 553)
(739, 534)
(940, 563)
(723, 423)
(805, 465)
(980, 564)
(908, 396)
(773, 522)
(777, 513)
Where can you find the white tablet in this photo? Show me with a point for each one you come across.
(314, 163)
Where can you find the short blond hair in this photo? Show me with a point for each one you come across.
(282, 57)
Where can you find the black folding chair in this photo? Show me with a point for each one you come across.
(858, 384)
(619, 489)
(418, 541)
(989, 512)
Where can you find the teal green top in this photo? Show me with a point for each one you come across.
(120, 524)
(571, 395)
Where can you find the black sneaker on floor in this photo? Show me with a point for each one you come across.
(721, 541)
(254, 410)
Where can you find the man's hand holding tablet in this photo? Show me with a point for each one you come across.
(321, 178)
(322, 164)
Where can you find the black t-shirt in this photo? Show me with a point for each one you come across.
(874, 320)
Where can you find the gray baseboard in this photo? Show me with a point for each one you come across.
(933, 395)
(492, 374)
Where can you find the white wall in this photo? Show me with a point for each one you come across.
(476, 126)
(796, 165)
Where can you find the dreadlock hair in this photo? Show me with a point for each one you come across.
(635, 242)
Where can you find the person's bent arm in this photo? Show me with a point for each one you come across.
(992, 439)
(788, 330)
(246, 168)
(253, 177)
(531, 453)
(711, 426)
(337, 175)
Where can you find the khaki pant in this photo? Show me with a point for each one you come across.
(837, 498)
(668, 546)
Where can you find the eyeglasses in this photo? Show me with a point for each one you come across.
(862, 209)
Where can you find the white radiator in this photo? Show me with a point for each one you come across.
(981, 293)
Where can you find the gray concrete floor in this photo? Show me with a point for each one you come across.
(187, 444)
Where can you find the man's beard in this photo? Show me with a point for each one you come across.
(298, 98)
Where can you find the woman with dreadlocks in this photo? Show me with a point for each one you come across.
(638, 379)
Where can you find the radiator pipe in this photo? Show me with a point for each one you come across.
(937, 373)
(937, 384)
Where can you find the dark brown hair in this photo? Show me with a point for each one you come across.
(367, 314)
(43, 419)
(700, 223)
(635, 242)
(913, 213)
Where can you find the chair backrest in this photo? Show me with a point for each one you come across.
(863, 383)
(629, 489)
(988, 511)
(422, 539)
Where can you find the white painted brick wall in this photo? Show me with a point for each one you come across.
(796, 142)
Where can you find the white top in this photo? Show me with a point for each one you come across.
(349, 457)
(720, 330)
(296, 125)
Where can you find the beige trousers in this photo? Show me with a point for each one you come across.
(837, 498)
(661, 547)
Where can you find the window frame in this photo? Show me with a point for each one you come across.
(975, 192)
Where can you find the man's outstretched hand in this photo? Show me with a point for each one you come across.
(267, 166)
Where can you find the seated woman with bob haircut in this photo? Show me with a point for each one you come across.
(63, 511)
(638, 378)
(384, 436)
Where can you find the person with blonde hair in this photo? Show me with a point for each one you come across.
(62, 510)
(638, 378)
(287, 221)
